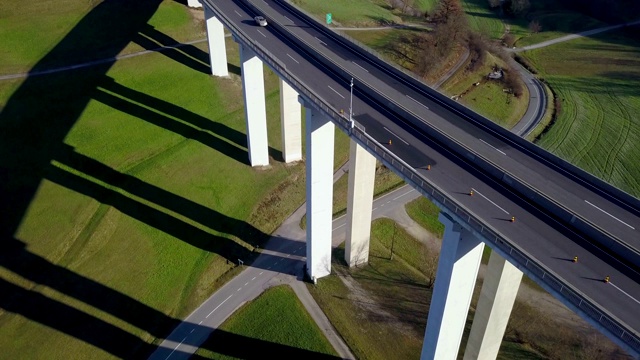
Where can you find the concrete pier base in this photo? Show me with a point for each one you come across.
(194, 4)
(455, 279)
(499, 290)
(320, 133)
(217, 45)
(254, 106)
(362, 175)
(290, 119)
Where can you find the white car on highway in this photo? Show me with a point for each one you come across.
(260, 20)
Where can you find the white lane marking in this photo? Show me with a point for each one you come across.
(609, 214)
(192, 330)
(200, 323)
(622, 291)
(321, 42)
(247, 283)
(269, 268)
(425, 106)
(334, 90)
(261, 33)
(374, 209)
(288, 255)
(176, 348)
(300, 247)
(253, 278)
(494, 148)
(288, 19)
(394, 134)
(293, 59)
(239, 289)
(408, 192)
(225, 300)
(261, 272)
(486, 198)
(238, 13)
(356, 64)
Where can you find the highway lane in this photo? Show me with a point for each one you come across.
(533, 230)
(616, 219)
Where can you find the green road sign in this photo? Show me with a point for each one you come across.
(329, 18)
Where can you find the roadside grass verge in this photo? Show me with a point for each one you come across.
(597, 128)
(275, 322)
(425, 213)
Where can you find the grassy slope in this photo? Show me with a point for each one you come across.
(598, 128)
(162, 176)
(276, 321)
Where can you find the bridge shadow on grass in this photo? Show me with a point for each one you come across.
(35, 306)
(164, 114)
(33, 125)
(188, 55)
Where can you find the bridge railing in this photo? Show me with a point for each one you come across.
(524, 260)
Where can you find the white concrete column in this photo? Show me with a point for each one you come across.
(290, 119)
(320, 133)
(254, 106)
(217, 46)
(499, 290)
(362, 176)
(194, 4)
(455, 278)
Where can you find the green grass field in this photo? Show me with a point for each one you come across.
(482, 20)
(274, 323)
(598, 128)
(129, 184)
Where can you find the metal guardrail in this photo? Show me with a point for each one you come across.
(579, 300)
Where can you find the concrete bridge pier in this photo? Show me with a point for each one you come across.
(290, 115)
(499, 290)
(254, 106)
(320, 132)
(362, 174)
(217, 46)
(455, 279)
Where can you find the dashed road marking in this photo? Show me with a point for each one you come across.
(293, 59)
(622, 291)
(253, 278)
(425, 106)
(394, 134)
(494, 148)
(335, 91)
(356, 64)
(321, 42)
(609, 214)
(261, 33)
(216, 308)
(486, 198)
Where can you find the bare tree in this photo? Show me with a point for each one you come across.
(535, 27)
(447, 9)
(430, 265)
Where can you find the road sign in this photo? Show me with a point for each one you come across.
(328, 18)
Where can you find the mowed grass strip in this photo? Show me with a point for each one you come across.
(275, 323)
(597, 129)
(358, 13)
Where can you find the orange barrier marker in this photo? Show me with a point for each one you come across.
(428, 167)
(471, 193)
(575, 259)
(389, 142)
(606, 279)
(513, 219)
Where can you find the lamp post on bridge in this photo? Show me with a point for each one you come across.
(351, 106)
